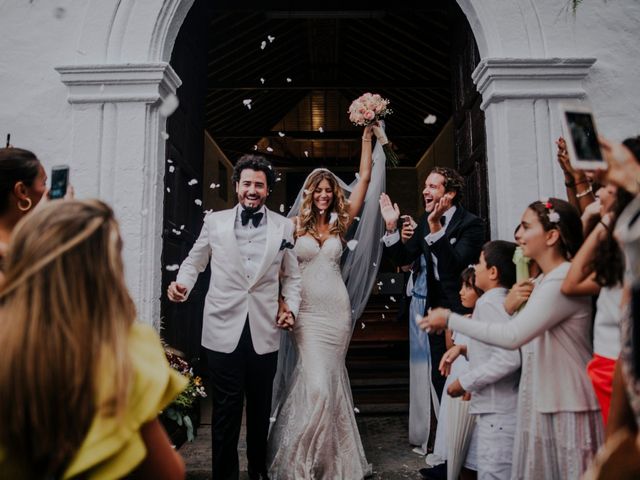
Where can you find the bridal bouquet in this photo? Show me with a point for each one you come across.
(369, 108)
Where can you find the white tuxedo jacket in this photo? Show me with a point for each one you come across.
(231, 296)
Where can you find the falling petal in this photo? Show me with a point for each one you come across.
(207, 212)
(321, 212)
(362, 327)
(307, 192)
(333, 216)
(418, 318)
(352, 244)
(392, 298)
(281, 134)
(387, 307)
(263, 45)
(177, 232)
(193, 181)
(270, 38)
(272, 419)
(262, 80)
(269, 149)
(430, 119)
(357, 176)
(164, 135)
(393, 280)
(213, 186)
(289, 80)
(181, 227)
(383, 316)
(168, 190)
(282, 208)
(306, 153)
(169, 105)
(278, 179)
(172, 169)
(379, 284)
(255, 147)
(172, 268)
(169, 160)
(321, 130)
(197, 201)
(356, 409)
(357, 219)
(375, 264)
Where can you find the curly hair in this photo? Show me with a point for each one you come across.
(257, 163)
(568, 224)
(609, 263)
(308, 216)
(453, 181)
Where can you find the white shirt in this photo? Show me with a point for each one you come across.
(251, 242)
(390, 239)
(493, 372)
(606, 326)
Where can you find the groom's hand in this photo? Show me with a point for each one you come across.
(285, 319)
(390, 212)
(177, 292)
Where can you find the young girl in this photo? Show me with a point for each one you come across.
(559, 425)
(469, 295)
(81, 383)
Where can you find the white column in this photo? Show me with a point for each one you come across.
(520, 98)
(118, 156)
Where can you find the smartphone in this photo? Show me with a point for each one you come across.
(582, 137)
(59, 181)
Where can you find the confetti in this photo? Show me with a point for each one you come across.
(418, 318)
(169, 105)
(177, 232)
(278, 179)
(270, 38)
(197, 201)
(357, 219)
(272, 419)
(262, 80)
(269, 149)
(430, 119)
(289, 80)
(383, 316)
(393, 280)
(181, 227)
(392, 298)
(387, 307)
(263, 45)
(307, 192)
(352, 244)
(172, 268)
(169, 160)
(255, 147)
(168, 190)
(172, 169)
(193, 181)
(362, 327)
(375, 264)
(306, 153)
(207, 212)
(247, 103)
(282, 208)
(357, 176)
(356, 409)
(321, 130)
(214, 185)
(333, 217)
(281, 134)
(321, 212)
(164, 135)
(379, 284)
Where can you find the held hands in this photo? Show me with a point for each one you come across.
(390, 212)
(518, 295)
(456, 390)
(449, 357)
(435, 321)
(177, 292)
(284, 319)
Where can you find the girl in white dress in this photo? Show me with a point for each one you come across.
(559, 424)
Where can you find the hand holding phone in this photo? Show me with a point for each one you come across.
(581, 137)
(59, 181)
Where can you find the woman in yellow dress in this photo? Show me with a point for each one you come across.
(81, 382)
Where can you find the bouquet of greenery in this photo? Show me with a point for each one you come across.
(182, 407)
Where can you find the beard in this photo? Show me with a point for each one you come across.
(258, 203)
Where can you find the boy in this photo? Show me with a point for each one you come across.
(493, 372)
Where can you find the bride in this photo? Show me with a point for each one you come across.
(315, 435)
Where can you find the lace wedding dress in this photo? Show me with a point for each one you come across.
(315, 435)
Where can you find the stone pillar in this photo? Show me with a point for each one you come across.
(520, 99)
(118, 154)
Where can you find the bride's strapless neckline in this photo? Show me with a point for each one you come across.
(317, 242)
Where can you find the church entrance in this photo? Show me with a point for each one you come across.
(278, 81)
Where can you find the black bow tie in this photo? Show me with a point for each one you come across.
(255, 217)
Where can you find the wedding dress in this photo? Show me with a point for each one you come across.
(315, 435)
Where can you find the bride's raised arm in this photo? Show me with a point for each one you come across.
(356, 199)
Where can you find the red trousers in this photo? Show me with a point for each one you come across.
(600, 370)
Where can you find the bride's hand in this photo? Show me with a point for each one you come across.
(379, 133)
(367, 132)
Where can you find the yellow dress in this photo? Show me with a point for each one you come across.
(113, 446)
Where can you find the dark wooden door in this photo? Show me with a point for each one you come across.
(182, 323)
(468, 119)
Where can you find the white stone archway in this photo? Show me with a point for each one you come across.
(117, 127)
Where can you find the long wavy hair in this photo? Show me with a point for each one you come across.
(65, 317)
(308, 216)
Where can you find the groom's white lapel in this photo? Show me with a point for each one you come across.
(226, 227)
(275, 231)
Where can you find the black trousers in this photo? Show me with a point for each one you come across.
(234, 376)
(437, 345)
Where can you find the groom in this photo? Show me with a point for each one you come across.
(249, 248)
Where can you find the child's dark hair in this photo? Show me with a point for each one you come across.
(257, 163)
(468, 278)
(558, 214)
(499, 254)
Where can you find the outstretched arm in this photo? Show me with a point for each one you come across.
(580, 278)
(192, 266)
(356, 200)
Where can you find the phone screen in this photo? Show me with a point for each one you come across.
(583, 136)
(59, 181)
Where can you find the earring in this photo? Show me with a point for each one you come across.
(28, 207)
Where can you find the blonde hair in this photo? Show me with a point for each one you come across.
(308, 216)
(64, 308)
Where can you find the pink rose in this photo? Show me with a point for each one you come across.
(369, 115)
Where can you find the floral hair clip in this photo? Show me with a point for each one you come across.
(552, 215)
